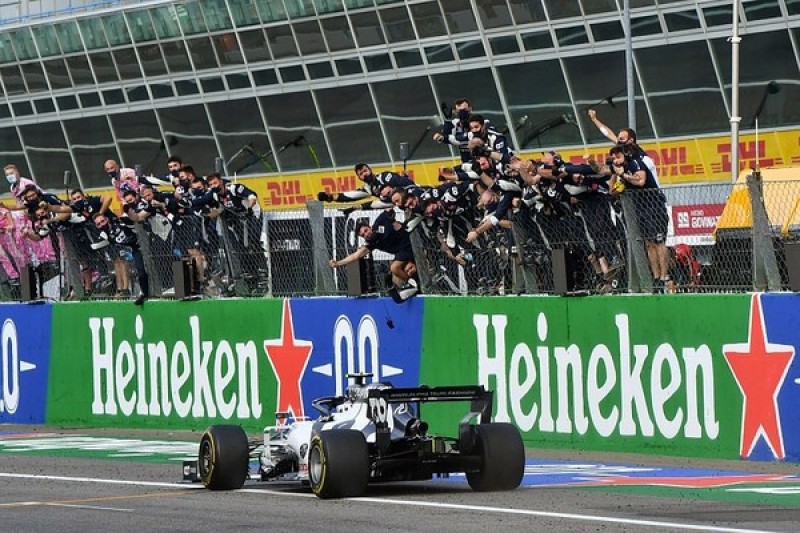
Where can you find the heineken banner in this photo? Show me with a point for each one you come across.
(710, 375)
(180, 364)
(694, 375)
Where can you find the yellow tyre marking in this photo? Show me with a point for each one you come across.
(211, 462)
(323, 460)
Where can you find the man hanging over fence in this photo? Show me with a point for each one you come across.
(389, 236)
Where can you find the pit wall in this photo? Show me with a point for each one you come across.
(690, 375)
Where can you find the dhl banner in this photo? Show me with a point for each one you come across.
(709, 159)
(678, 162)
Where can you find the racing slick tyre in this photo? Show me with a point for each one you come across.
(502, 454)
(338, 463)
(224, 457)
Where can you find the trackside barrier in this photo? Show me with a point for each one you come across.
(24, 363)
(688, 375)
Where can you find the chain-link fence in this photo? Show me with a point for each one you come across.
(689, 238)
(693, 238)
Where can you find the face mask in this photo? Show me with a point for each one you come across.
(463, 114)
(174, 173)
(11, 178)
(113, 175)
(181, 186)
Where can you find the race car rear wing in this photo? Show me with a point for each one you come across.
(480, 398)
(380, 399)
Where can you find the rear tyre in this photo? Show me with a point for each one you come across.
(224, 457)
(338, 464)
(502, 454)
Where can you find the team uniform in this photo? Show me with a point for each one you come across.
(390, 240)
(456, 133)
(649, 202)
(82, 233)
(187, 228)
(373, 185)
(118, 240)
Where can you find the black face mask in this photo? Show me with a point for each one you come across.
(463, 115)
(32, 204)
(113, 175)
(174, 173)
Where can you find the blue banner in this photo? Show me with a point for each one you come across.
(24, 362)
(776, 381)
(345, 336)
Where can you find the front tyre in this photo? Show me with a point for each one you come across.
(502, 454)
(224, 457)
(338, 464)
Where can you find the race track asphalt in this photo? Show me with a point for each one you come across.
(62, 493)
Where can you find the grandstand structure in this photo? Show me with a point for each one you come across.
(275, 87)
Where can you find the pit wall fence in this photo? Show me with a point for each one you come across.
(694, 375)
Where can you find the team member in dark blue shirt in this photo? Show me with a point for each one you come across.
(632, 176)
(379, 186)
(121, 244)
(241, 216)
(81, 235)
(389, 236)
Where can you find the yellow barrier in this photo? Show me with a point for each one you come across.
(781, 190)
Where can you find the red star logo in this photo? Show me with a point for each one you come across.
(288, 357)
(759, 368)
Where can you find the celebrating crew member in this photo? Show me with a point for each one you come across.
(389, 236)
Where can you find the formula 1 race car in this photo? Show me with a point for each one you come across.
(372, 433)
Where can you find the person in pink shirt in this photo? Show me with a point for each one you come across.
(17, 182)
(10, 257)
(123, 179)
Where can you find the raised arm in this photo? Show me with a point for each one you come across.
(602, 127)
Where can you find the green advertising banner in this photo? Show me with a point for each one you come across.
(692, 375)
(636, 374)
(190, 364)
(172, 364)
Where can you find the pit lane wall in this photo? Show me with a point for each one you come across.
(690, 375)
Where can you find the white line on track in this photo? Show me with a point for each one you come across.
(100, 480)
(91, 507)
(386, 501)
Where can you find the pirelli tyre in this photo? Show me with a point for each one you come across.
(338, 464)
(502, 454)
(224, 457)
